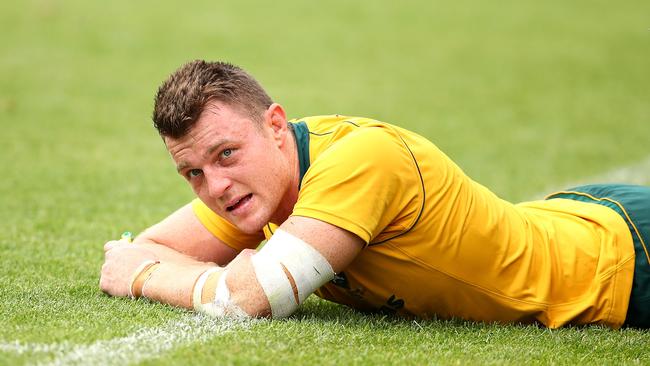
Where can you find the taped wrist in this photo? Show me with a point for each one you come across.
(140, 276)
(307, 267)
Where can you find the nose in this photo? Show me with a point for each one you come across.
(217, 183)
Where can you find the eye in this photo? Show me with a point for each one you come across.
(226, 153)
(193, 173)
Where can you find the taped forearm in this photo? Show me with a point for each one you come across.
(211, 295)
(287, 269)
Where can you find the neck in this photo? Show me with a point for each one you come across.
(291, 195)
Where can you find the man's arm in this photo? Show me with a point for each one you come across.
(184, 233)
(339, 247)
(174, 280)
(180, 242)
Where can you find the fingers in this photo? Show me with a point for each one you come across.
(103, 281)
(121, 260)
(114, 243)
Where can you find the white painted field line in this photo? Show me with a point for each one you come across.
(636, 173)
(144, 344)
(32, 348)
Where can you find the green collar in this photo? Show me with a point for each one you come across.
(301, 133)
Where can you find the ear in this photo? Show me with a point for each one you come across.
(276, 120)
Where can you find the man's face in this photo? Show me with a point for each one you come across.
(237, 168)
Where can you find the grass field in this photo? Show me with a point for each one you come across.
(524, 96)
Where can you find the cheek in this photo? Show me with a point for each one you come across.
(196, 187)
(264, 170)
(269, 174)
(201, 192)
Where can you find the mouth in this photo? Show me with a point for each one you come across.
(241, 202)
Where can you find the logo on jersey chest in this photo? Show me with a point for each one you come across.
(391, 306)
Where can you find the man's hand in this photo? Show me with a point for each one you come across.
(121, 260)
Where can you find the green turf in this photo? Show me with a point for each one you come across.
(524, 96)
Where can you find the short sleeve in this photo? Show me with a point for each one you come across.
(224, 230)
(367, 183)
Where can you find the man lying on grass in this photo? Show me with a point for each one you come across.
(370, 215)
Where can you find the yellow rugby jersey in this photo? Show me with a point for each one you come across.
(439, 244)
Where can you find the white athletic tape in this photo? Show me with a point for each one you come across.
(275, 284)
(309, 269)
(220, 306)
(198, 288)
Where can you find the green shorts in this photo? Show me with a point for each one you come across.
(633, 204)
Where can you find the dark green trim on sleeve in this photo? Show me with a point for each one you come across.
(301, 133)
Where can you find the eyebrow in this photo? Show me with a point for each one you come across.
(184, 164)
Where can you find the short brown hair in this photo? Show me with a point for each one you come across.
(183, 96)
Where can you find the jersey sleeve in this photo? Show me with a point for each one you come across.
(224, 230)
(367, 183)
